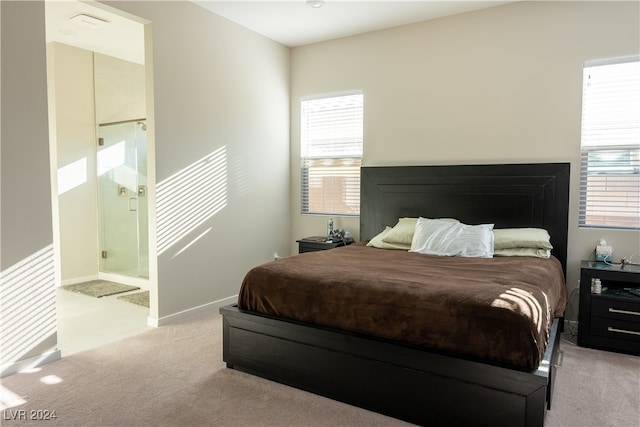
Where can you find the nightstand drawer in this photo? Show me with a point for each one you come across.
(618, 329)
(314, 247)
(316, 243)
(628, 311)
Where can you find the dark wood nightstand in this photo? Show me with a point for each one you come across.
(610, 320)
(316, 243)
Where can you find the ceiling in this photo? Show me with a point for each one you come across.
(290, 22)
(294, 23)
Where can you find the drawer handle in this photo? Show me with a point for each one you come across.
(613, 310)
(622, 331)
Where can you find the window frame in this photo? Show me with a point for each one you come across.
(339, 164)
(610, 148)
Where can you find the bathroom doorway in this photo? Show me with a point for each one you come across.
(96, 62)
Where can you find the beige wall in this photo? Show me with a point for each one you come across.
(27, 292)
(120, 89)
(493, 86)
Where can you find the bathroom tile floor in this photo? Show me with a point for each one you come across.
(85, 322)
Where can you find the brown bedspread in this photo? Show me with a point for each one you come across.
(497, 310)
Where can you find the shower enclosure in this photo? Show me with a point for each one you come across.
(122, 198)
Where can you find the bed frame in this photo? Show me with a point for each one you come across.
(401, 381)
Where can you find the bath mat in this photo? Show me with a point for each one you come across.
(99, 288)
(140, 298)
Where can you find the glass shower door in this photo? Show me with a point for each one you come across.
(123, 207)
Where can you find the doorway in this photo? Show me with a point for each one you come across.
(98, 129)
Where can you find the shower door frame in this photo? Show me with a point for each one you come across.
(135, 194)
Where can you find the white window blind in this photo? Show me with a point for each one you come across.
(610, 163)
(331, 154)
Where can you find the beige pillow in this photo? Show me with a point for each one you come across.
(505, 238)
(377, 242)
(533, 252)
(403, 231)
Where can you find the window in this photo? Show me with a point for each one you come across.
(610, 165)
(331, 154)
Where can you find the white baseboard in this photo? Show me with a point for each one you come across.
(165, 320)
(30, 363)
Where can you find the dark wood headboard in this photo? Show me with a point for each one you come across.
(507, 195)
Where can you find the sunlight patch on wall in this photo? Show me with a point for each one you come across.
(190, 197)
(188, 245)
(72, 175)
(126, 177)
(111, 157)
(28, 305)
(113, 160)
(243, 169)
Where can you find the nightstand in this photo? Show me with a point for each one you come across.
(316, 243)
(610, 320)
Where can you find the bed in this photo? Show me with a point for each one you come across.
(385, 371)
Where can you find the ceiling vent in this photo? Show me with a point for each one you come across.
(88, 21)
(316, 4)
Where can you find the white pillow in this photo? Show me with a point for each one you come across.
(378, 242)
(506, 238)
(438, 237)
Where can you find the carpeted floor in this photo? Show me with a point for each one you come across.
(174, 375)
(99, 288)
